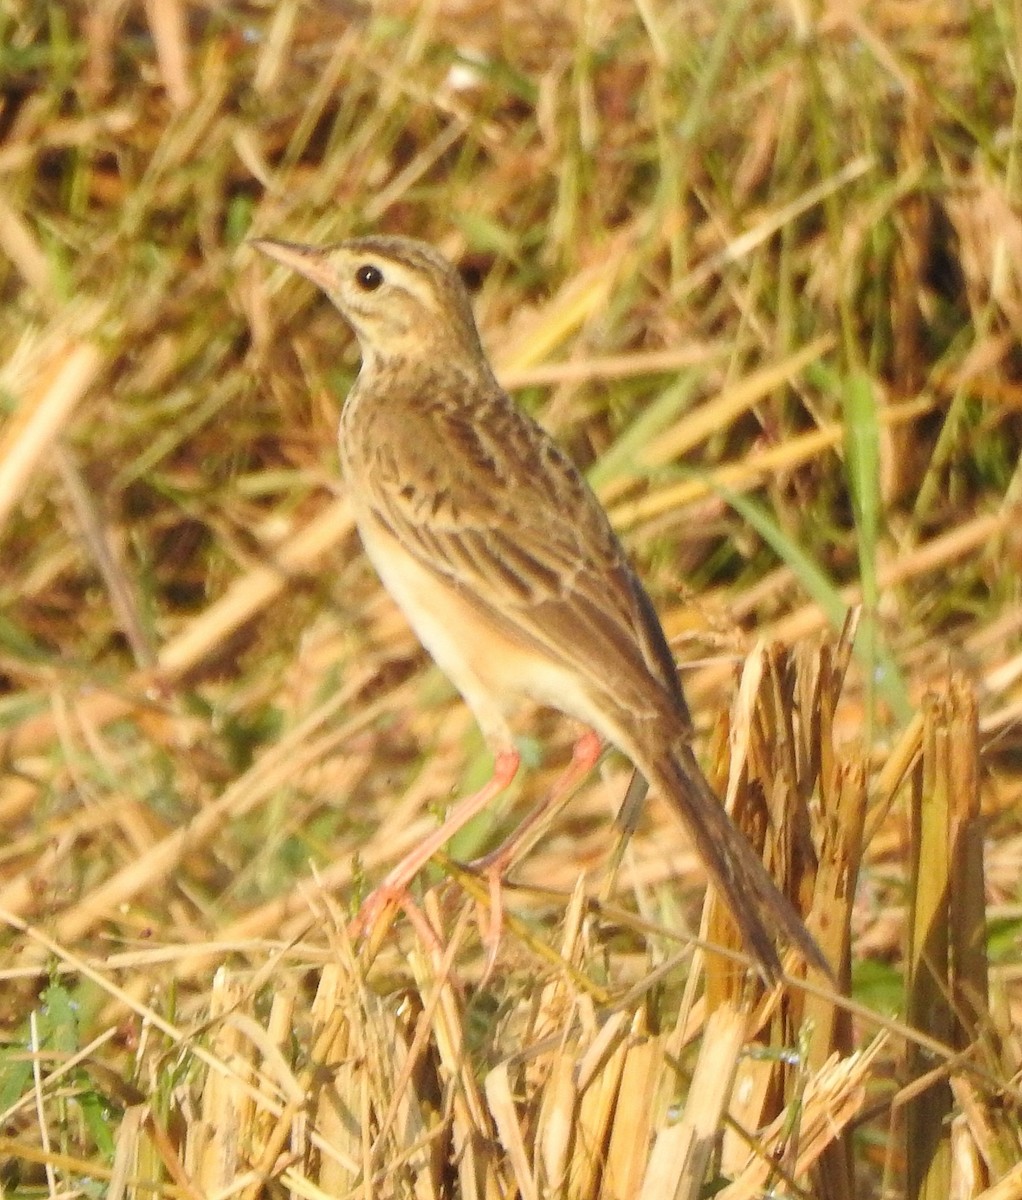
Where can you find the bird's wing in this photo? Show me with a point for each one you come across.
(505, 517)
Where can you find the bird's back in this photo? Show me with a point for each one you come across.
(479, 494)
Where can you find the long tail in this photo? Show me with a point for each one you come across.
(760, 910)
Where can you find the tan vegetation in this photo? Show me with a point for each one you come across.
(757, 265)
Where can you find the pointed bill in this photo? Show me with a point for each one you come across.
(310, 261)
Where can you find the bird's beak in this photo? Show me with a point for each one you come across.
(309, 261)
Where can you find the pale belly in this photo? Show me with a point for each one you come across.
(491, 669)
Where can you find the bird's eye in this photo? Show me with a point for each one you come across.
(368, 277)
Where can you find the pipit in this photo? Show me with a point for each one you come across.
(504, 562)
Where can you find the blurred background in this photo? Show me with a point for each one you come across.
(755, 264)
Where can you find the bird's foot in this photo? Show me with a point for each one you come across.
(380, 906)
(378, 910)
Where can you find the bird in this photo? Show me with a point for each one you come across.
(505, 564)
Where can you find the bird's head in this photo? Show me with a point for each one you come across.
(399, 295)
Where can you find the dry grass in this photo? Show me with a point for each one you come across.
(757, 266)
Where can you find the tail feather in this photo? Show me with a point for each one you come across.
(760, 910)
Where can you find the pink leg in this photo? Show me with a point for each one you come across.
(583, 758)
(390, 892)
(494, 865)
